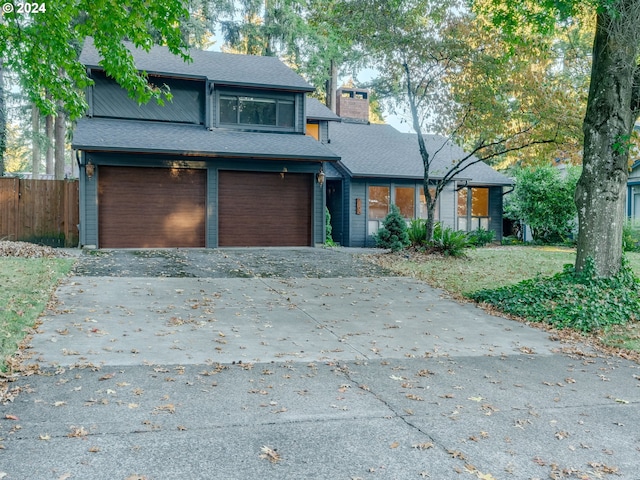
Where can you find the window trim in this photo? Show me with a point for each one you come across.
(276, 96)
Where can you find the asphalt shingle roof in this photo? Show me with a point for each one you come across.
(374, 150)
(106, 134)
(316, 110)
(221, 68)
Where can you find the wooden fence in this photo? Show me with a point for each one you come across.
(39, 211)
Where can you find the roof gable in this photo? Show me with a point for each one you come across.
(219, 68)
(374, 150)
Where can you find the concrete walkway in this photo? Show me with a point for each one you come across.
(341, 377)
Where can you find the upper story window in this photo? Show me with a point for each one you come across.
(256, 110)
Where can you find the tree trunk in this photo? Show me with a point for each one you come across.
(48, 128)
(60, 131)
(332, 86)
(35, 141)
(601, 191)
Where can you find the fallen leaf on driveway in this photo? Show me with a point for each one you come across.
(411, 396)
(270, 454)
(77, 432)
(422, 446)
(169, 408)
(394, 445)
(11, 417)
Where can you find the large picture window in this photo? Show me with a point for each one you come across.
(378, 207)
(405, 200)
(261, 111)
(473, 209)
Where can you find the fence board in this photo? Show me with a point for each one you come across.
(9, 193)
(39, 211)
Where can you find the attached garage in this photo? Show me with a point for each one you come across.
(264, 209)
(151, 207)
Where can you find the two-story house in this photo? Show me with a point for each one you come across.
(226, 163)
(241, 157)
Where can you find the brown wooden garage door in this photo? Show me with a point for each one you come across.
(151, 207)
(257, 209)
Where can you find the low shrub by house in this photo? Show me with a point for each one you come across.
(393, 234)
(449, 242)
(480, 237)
(417, 231)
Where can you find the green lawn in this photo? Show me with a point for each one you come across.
(26, 285)
(494, 267)
(489, 267)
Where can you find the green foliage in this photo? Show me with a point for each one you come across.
(449, 242)
(543, 200)
(417, 231)
(582, 301)
(480, 237)
(630, 238)
(393, 233)
(328, 239)
(43, 49)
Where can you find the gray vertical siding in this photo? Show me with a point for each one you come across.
(347, 212)
(212, 207)
(448, 206)
(358, 223)
(318, 224)
(323, 129)
(495, 211)
(88, 208)
(187, 106)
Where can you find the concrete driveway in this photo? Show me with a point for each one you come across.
(303, 363)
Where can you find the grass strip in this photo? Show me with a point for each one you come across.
(26, 285)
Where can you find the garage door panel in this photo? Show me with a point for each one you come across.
(151, 207)
(264, 209)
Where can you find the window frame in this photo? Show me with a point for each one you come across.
(280, 99)
(466, 221)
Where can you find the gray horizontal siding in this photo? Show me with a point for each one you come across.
(187, 106)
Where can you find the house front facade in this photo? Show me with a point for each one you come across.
(241, 157)
(380, 166)
(227, 162)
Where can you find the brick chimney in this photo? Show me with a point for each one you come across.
(353, 104)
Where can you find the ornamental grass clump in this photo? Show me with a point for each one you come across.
(581, 301)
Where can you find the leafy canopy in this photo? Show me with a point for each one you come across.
(43, 48)
(543, 200)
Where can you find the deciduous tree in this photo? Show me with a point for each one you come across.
(613, 107)
(417, 45)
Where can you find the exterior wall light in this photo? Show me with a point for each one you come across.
(321, 176)
(90, 169)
